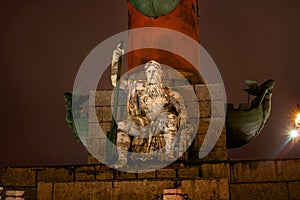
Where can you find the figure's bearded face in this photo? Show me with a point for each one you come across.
(153, 73)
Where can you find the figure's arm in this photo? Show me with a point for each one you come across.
(178, 103)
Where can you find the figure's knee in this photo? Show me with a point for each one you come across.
(171, 124)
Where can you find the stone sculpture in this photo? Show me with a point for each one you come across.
(155, 115)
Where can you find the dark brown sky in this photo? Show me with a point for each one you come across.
(43, 43)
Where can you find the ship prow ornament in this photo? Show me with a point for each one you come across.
(247, 121)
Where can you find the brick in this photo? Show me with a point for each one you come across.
(14, 193)
(140, 189)
(85, 173)
(203, 126)
(58, 174)
(146, 175)
(105, 127)
(96, 131)
(188, 172)
(215, 155)
(92, 160)
(125, 175)
(288, 170)
(107, 114)
(187, 92)
(258, 191)
(104, 173)
(95, 114)
(44, 191)
(100, 98)
(166, 173)
(209, 92)
(97, 146)
(82, 190)
(193, 109)
(205, 108)
(217, 108)
(294, 190)
(206, 189)
(220, 170)
(253, 171)
(18, 177)
(14, 198)
(172, 194)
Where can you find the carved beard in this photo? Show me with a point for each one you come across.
(155, 90)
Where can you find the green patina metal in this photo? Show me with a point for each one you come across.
(154, 8)
(76, 118)
(246, 122)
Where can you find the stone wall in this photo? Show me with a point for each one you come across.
(264, 179)
(279, 179)
(94, 181)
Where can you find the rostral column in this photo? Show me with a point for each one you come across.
(178, 15)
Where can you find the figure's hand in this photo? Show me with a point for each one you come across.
(114, 63)
(117, 53)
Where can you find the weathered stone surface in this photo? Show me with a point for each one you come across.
(95, 114)
(104, 173)
(220, 170)
(14, 198)
(146, 175)
(172, 194)
(203, 126)
(107, 114)
(288, 170)
(253, 171)
(188, 172)
(108, 190)
(100, 98)
(206, 189)
(142, 190)
(19, 177)
(125, 175)
(14, 193)
(294, 190)
(193, 109)
(216, 155)
(217, 108)
(211, 139)
(82, 190)
(258, 191)
(166, 173)
(95, 131)
(97, 146)
(44, 191)
(56, 175)
(92, 160)
(209, 92)
(85, 173)
(204, 109)
(105, 127)
(186, 91)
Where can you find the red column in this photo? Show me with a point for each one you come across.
(183, 19)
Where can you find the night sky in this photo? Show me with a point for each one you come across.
(43, 43)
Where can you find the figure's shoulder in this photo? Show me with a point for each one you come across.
(136, 84)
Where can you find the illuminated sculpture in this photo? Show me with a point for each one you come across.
(155, 114)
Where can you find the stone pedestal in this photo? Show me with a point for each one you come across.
(100, 112)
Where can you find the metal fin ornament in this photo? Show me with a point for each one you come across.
(154, 8)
